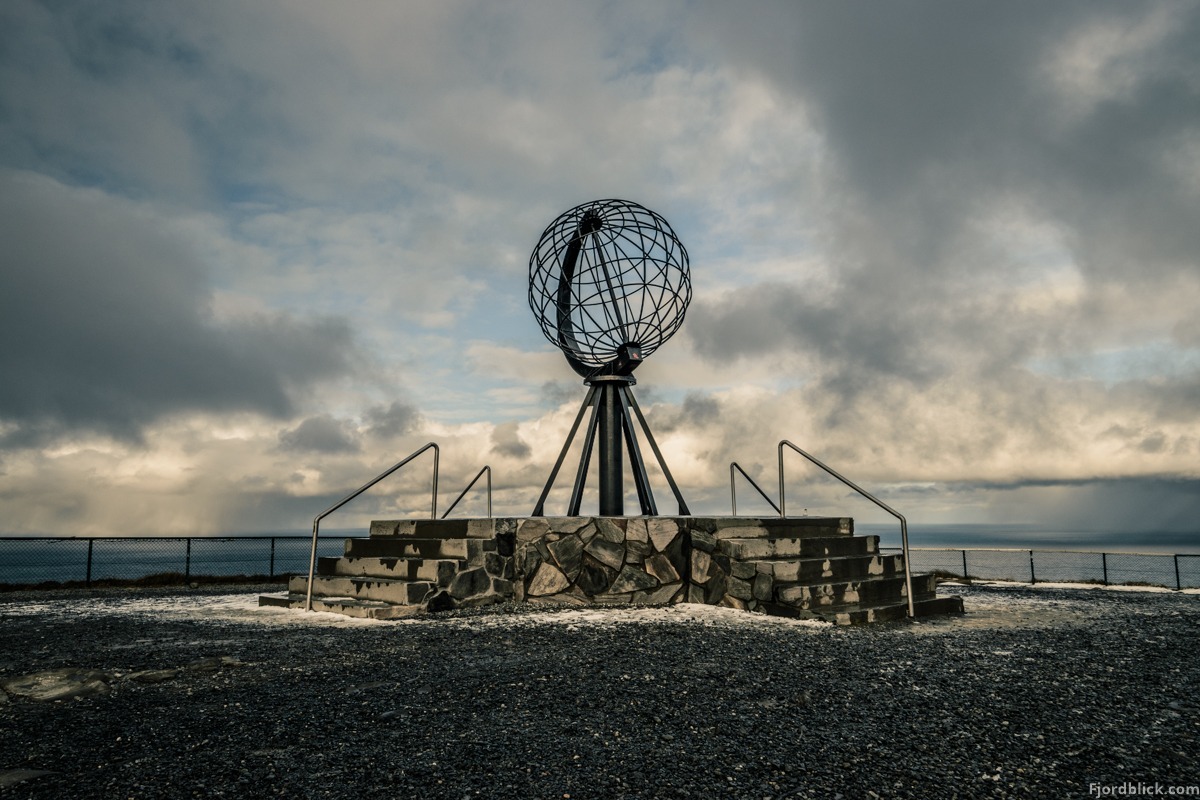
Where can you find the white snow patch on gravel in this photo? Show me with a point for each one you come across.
(989, 609)
(629, 615)
(216, 608)
(244, 608)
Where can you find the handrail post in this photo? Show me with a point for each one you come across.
(903, 522)
(782, 499)
(433, 503)
(912, 609)
(312, 558)
(732, 491)
(312, 565)
(463, 493)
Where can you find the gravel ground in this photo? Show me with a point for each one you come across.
(1035, 692)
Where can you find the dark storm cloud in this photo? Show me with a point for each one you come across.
(321, 434)
(555, 393)
(105, 323)
(393, 420)
(507, 441)
(935, 112)
(1135, 503)
(696, 412)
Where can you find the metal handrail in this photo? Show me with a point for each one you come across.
(903, 522)
(463, 494)
(312, 559)
(733, 491)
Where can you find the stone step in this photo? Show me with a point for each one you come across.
(782, 527)
(437, 570)
(398, 592)
(865, 592)
(852, 614)
(895, 611)
(806, 547)
(435, 528)
(934, 606)
(406, 547)
(824, 570)
(347, 606)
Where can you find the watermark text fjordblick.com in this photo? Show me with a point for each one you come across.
(1141, 789)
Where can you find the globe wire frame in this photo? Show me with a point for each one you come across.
(609, 283)
(606, 275)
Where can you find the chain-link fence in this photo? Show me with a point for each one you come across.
(26, 561)
(1176, 571)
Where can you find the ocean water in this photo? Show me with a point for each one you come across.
(31, 561)
(1026, 537)
(1031, 554)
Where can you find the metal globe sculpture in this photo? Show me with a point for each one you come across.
(609, 283)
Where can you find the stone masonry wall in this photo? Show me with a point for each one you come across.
(601, 559)
(606, 560)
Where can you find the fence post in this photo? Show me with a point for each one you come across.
(272, 558)
(966, 575)
(1178, 584)
(187, 568)
(88, 581)
(1032, 575)
(1104, 564)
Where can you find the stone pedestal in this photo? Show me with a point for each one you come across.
(799, 566)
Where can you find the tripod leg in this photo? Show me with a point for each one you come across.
(683, 509)
(636, 465)
(539, 510)
(585, 456)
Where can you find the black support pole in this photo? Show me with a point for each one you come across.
(612, 484)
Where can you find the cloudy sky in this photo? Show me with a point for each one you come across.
(255, 253)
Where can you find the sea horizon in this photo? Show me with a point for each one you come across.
(957, 536)
(26, 560)
(982, 536)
